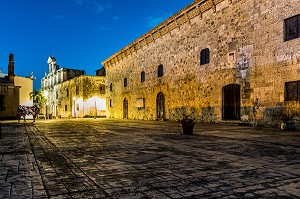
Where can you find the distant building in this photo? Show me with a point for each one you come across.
(212, 59)
(14, 91)
(82, 96)
(71, 93)
(56, 75)
(101, 72)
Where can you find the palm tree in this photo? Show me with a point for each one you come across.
(38, 97)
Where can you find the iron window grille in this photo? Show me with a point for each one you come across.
(292, 28)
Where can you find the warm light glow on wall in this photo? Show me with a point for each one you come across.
(100, 103)
(46, 93)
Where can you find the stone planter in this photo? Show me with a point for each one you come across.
(187, 129)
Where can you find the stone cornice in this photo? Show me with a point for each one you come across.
(178, 19)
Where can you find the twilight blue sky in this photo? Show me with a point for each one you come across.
(80, 34)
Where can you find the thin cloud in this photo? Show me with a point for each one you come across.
(59, 15)
(103, 28)
(79, 2)
(100, 8)
(94, 4)
(154, 21)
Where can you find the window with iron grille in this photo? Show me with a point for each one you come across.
(292, 28)
(204, 56)
(292, 91)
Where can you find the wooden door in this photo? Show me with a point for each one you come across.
(231, 102)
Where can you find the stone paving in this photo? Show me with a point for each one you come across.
(99, 158)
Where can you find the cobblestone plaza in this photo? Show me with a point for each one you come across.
(100, 158)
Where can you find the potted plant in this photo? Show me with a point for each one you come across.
(187, 123)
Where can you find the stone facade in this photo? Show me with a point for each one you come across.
(70, 93)
(82, 96)
(56, 75)
(14, 91)
(248, 59)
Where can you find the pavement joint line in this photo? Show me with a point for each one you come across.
(222, 165)
(46, 140)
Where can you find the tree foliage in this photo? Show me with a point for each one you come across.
(38, 97)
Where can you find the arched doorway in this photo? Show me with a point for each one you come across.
(160, 106)
(231, 105)
(125, 109)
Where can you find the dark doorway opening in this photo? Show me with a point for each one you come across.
(125, 109)
(231, 102)
(160, 106)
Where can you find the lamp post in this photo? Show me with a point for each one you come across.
(95, 116)
(74, 98)
(47, 110)
(46, 96)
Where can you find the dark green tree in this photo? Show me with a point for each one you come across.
(38, 97)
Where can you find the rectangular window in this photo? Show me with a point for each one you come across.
(125, 82)
(292, 28)
(292, 91)
(160, 70)
(143, 76)
(110, 103)
(67, 92)
(77, 90)
(102, 89)
(66, 107)
(204, 56)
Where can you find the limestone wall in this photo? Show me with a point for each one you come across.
(65, 102)
(9, 101)
(247, 47)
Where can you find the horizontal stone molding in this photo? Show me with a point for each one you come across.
(183, 16)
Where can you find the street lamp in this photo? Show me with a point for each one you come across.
(95, 116)
(74, 98)
(46, 93)
(47, 110)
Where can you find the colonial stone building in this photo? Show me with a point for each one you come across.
(70, 93)
(212, 59)
(14, 91)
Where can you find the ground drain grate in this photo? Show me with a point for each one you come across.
(141, 158)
